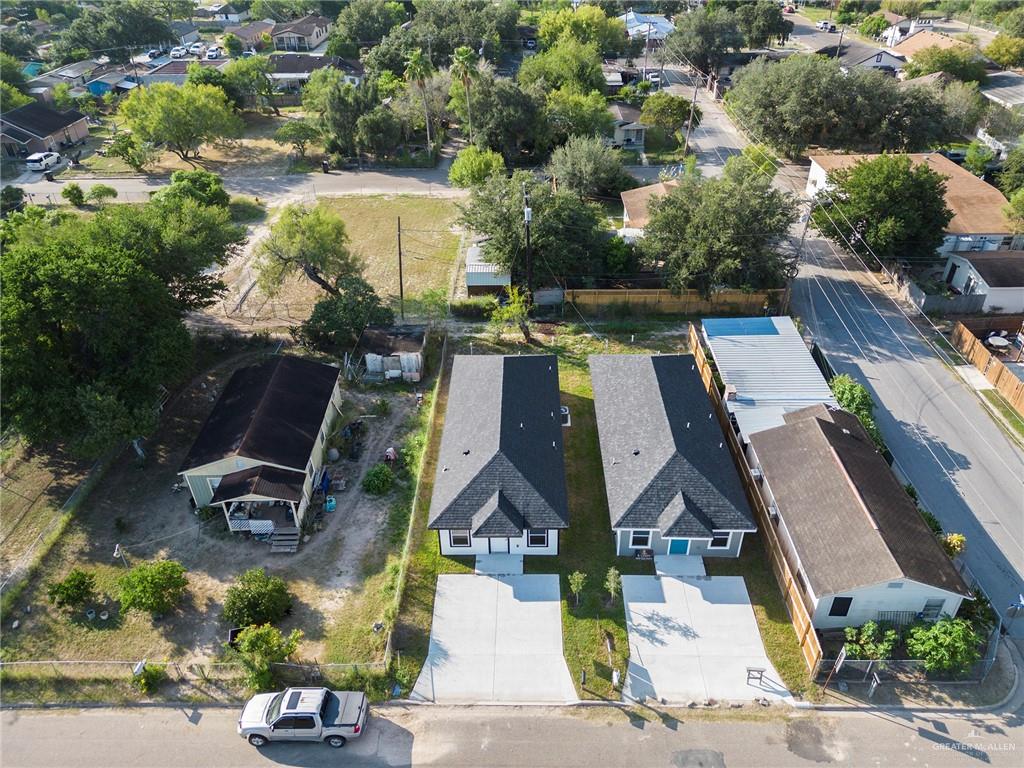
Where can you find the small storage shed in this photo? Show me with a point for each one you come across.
(393, 353)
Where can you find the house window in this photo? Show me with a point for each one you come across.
(309, 469)
(840, 606)
(895, 585)
(878, 58)
(640, 539)
(720, 540)
(932, 609)
(537, 538)
(460, 538)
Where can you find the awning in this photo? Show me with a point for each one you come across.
(265, 482)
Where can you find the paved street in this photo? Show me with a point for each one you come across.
(508, 736)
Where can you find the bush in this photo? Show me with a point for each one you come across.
(11, 199)
(100, 193)
(474, 308)
(73, 193)
(150, 679)
(855, 398)
(378, 480)
(244, 209)
(870, 641)
(153, 587)
(931, 520)
(473, 166)
(381, 407)
(954, 544)
(256, 648)
(948, 645)
(979, 612)
(257, 598)
(74, 590)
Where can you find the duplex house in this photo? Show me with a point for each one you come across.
(35, 127)
(996, 275)
(854, 539)
(978, 222)
(671, 482)
(767, 371)
(303, 34)
(500, 480)
(259, 454)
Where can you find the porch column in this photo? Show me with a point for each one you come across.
(227, 517)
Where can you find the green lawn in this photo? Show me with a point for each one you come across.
(663, 148)
(999, 403)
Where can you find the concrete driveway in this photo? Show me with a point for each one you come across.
(496, 639)
(692, 639)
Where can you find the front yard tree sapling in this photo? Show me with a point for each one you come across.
(74, 590)
(577, 579)
(258, 647)
(154, 587)
(257, 598)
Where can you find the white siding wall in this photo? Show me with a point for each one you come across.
(868, 601)
(483, 546)
(1008, 300)
(979, 242)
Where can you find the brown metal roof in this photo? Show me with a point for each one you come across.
(268, 482)
(851, 522)
(924, 38)
(977, 207)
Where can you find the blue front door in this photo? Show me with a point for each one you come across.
(679, 546)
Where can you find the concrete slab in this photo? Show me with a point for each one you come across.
(692, 639)
(498, 565)
(679, 565)
(974, 378)
(496, 639)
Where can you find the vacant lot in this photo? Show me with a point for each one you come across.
(134, 506)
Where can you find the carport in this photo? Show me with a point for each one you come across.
(496, 638)
(693, 639)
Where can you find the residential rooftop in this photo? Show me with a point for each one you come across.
(999, 269)
(913, 44)
(637, 202)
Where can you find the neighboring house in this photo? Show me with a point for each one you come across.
(866, 58)
(636, 207)
(222, 12)
(185, 32)
(671, 482)
(251, 34)
(36, 127)
(482, 277)
(500, 480)
(259, 454)
(978, 222)
(74, 75)
(767, 371)
(617, 75)
(291, 71)
(856, 542)
(653, 28)
(627, 130)
(303, 34)
(933, 79)
(176, 71)
(913, 44)
(119, 80)
(1004, 88)
(999, 276)
(901, 27)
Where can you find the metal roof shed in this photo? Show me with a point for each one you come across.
(767, 369)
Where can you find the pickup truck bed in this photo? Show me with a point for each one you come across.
(343, 709)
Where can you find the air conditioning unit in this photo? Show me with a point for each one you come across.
(773, 511)
(730, 391)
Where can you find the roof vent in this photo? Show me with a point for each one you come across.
(520, 425)
(466, 452)
(846, 431)
(710, 414)
(720, 446)
(553, 445)
(636, 451)
(444, 469)
(687, 425)
(730, 391)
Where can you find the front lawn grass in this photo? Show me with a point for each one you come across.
(1007, 411)
(773, 620)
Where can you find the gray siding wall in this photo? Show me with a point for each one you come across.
(698, 547)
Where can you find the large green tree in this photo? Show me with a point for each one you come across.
(572, 113)
(703, 38)
(761, 22)
(722, 231)
(339, 319)
(586, 166)
(10, 72)
(962, 62)
(567, 63)
(418, 70)
(183, 118)
(362, 24)
(116, 29)
(1006, 51)
(464, 69)
(506, 117)
(588, 24)
(889, 207)
(1011, 175)
(668, 112)
(249, 78)
(12, 98)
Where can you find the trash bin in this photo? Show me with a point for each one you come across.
(325, 165)
(48, 176)
(330, 504)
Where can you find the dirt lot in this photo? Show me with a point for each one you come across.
(135, 507)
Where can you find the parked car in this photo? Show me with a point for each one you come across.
(213, 53)
(789, 9)
(248, 53)
(196, 49)
(42, 161)
(154, 53)
(179, 52)
(304, 714)
(826, 26)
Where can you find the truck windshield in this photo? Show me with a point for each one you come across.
(275, 708)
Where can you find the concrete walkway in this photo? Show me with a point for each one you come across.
(499, 565)
(496, 640)
(679, 565)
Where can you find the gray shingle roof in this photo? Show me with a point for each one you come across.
(501, 469)
(850, 521)
(666, 462)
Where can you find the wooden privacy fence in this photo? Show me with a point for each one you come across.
(798, 613)
(689, 302)
(1002, 378)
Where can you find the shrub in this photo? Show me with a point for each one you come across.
(244, 209)
(948, 645)
(256, 648)
(954, 544)
(979, 612)
(11, 199)
(474, 308)
(257, 598)
(381, 407)
(153, 587)
(931, 520)
(870, 641)
(100, 193)
(855, 398)
(150, 679)
(74, 590)
(73, 193)
(378, 480)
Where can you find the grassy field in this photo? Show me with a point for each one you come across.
(999, 403)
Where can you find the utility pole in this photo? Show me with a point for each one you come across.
(840, 46)
(401, 287)
(647, 47)
(689, 124)
(527, 218)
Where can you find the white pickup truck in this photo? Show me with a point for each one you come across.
(304, 714)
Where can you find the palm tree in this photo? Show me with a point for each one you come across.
(417, 70)
(464, 68)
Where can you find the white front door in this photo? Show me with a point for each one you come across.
(499, 546)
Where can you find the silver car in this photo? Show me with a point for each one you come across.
(304, 714)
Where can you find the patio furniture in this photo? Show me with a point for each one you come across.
(997, 343)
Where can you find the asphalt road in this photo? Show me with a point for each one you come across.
(475, 737)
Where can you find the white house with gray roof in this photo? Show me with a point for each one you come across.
(672, 485)
(499, 487)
